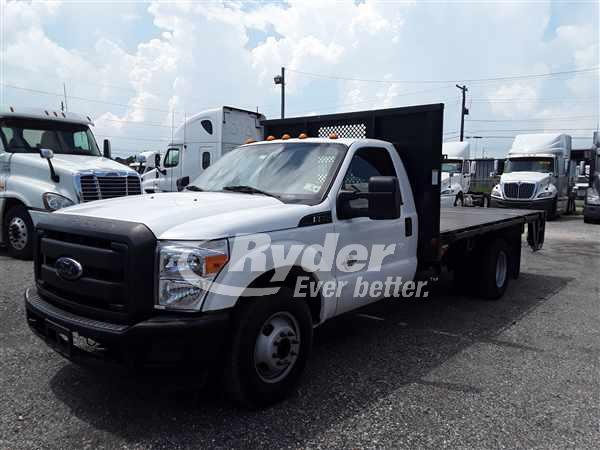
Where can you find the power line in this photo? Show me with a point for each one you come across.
(534, 119)
(473, 80)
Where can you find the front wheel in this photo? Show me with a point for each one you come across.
(18, 227)
(459, 201)
(271, 344)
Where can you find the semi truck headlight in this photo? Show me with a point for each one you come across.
(186, 271)
(592, 196)
(496, 191)
(54, 201)
(549, 191)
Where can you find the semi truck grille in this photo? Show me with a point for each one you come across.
(116, 280)
(94, 187)
(519, 190)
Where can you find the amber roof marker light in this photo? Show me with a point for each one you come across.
(333, 136)
(302, 136)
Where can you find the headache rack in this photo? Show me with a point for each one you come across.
(415, 131)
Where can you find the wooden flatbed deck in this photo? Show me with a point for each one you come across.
(456, 223)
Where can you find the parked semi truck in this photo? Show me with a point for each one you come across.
(591, 206)
(537, 175)
(199, 142)
(117, 281)
(50, 160)
(456, 173)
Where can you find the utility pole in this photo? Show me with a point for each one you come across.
(464, 111)
(280, 79)
(66, 109)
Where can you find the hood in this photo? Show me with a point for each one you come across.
(528, 177)
(197, 215)
(72, 164)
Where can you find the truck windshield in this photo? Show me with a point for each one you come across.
(29, 136)
(543, 165)
(452, 166)
(293, 172)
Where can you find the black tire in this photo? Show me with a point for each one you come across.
(552, 213)
(485, 201)
(492, 286)
(18, 228)
(244, 383)
(459, 200)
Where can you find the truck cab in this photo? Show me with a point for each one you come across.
(50, 160)
(198, 143)
(456, 173)
(536, 174)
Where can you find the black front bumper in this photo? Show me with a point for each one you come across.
(541, 205)
(160, 341)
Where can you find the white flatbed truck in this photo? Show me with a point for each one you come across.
(115, 273)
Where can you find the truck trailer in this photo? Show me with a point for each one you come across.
(213, 276)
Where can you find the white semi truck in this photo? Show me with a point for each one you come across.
(273, 240)
(456, 173)
(50, 160)
(591, 207)
(537, 175)
(199, 142)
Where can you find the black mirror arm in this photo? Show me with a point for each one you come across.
(53, 176)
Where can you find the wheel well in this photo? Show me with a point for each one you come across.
(314, 303)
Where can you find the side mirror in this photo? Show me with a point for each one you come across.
(140, 158)
(382, 201)
(46, 153)
(106, 150)
(384, 198)
(182, 183)
(473, 168)
(157, 160)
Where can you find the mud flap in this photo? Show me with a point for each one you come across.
(536, 231)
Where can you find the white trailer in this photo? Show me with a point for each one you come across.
(198, 143)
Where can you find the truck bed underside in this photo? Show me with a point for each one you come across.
(457, 223)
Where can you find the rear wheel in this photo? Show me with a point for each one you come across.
(485, 201)
(18, 227)
(271, 344)
(495, 270)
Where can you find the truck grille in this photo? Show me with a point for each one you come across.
(519, 190)
(94, 187)
(117, 258)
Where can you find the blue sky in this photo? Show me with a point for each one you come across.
(136, 66)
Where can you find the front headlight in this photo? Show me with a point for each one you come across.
(549, 191)
(54, 201)
(496, 191)
(446, 192)
(592, 196)
(186, 271)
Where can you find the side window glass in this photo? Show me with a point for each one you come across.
(205, 160)
(172, 158)
(367, 163)
(207, 125)
(34, 138)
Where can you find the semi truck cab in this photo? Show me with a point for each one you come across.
(536, 174)
(456, 173)
(50, 160)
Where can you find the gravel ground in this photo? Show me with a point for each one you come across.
(448, 371)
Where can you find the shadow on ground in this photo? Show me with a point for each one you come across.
(357, 361)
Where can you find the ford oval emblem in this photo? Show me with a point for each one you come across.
(68, 268)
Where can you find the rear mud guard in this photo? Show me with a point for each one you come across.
(536, 231)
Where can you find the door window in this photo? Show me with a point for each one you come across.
(367, 163)
(172, 157)
(205, 160)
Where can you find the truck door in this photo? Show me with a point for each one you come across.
(208, 155)
(171, 169)
(363, 232)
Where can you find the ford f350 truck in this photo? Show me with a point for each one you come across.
(215, 275)
(49, 160)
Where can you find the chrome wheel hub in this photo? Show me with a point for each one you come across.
(501, 269)
(277, 347)
(17, 233)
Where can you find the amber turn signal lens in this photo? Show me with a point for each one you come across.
(214, 263)
(333, 136)
(270, 138)
(285, 136)
(302, 136)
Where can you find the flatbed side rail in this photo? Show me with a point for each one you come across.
(535, 221)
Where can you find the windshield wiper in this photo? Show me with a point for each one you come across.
(194, 188)
(249, 190)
